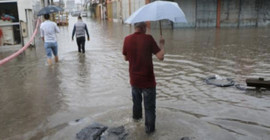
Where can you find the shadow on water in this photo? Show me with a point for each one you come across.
(42, 102)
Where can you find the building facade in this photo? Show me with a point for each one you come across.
(225, 13)
(202, 13)
(16, 22)
(199, 13)
(70, 5)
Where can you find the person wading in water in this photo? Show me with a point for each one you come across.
(80, 28)
(138, 49)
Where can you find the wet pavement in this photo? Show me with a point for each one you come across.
(42, 102)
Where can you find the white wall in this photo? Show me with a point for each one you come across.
(125, 9)
(22, 5)
(134, 5)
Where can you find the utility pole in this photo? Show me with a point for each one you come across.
(129, 7)
(148, 23)
(218, 14)
(239, 13)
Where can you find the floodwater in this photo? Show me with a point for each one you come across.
(42, 102)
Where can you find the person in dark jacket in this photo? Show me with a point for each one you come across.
(80, 28)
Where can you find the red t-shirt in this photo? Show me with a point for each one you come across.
(139, 48)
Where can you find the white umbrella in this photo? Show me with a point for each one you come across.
(158, 10)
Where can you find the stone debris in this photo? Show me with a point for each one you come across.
(98, 131)
(92, 132)
(115, 133)
(185, 138)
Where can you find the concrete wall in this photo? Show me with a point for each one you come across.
(109, 11)
(203, 13)
(114, 9)
(189, 8)
(233, 13)
(136, 4)
(98, 11)
(264, 13)
(199, 13)
(27, 24)
(206, 13)
(229, 14)
(245, 13)
(248, 13)
(22, 5)
(130, 6)
(125, 9)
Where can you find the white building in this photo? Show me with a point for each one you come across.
(16, 22)
(25, 9)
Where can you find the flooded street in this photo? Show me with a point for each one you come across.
(39, 102)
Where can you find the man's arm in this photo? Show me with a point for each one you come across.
(73, 32)
(160, 54)
(124, 51)
(125, 58)
(88, 38)
(42, 34)
(57, 29)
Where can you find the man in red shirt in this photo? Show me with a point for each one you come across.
(138, 50)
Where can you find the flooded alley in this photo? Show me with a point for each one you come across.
(41, 102)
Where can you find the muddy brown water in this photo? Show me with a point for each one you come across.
(42, 102)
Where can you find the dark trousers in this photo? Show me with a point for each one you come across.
(149, 98)
(81, 43)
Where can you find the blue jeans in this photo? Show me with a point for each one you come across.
(149, 97)
(51, 47)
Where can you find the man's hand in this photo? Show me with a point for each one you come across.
(160, 54)
(161, 43)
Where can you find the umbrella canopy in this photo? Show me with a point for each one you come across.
(158, 10)
(49, 9)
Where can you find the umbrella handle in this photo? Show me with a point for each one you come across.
(160, 29)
